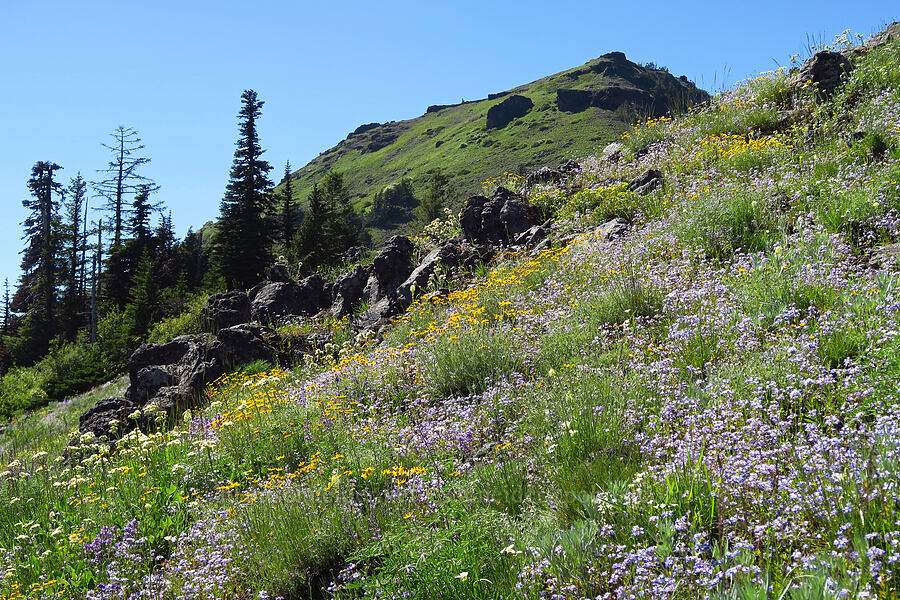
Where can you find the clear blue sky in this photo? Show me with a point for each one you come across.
(71, 72)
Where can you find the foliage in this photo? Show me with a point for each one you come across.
(705, 408)
(244, 238)
(328, 228)
(186, 322)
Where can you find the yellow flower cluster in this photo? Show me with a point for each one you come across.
(728, 146)
(645, 126)
(249, 395)
(508, 180)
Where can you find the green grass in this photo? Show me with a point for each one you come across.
(715, 393)
(455, 140)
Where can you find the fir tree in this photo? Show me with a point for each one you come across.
(243, 243)
(36, 295)
(5, 331)
(287, 206)
(139, 220)
(140, 311)
(435, 198)
(308, 242)
(73, 244)
(329, 227)
(122, 178)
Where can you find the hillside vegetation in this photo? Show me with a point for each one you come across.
(705, 407)
(457, 140)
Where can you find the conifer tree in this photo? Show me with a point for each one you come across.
(435, 198)
(36, 295)
(287, 206)
(122, 178)
(308, 242)
(243, 242)
(5, 331)
(140, 311)
(73, 248)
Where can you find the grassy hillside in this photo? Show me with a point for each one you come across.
(706, 407)
(456, 139)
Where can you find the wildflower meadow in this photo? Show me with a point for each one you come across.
(704, 407)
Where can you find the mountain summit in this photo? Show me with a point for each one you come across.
(547, 121)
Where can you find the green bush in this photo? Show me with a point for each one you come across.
(116, 343)
(22, 389)
(74, 369)
(188, 321)
(604, 203)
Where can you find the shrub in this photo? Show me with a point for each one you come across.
(73, 369)
(188, 321)
(604, 203)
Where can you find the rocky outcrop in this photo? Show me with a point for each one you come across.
(392, 265)
(167, 379)
(278, 272)
(276, 300)
(446, 256)
(348, 290)
(611, 229)
(496, 220)
(225, 310)
(503, 113)
(534, 236)
(606, 98)
(612, 151)
(390, 269)
(544, 176)
(825, 70)
(363, 128)
(646, 182)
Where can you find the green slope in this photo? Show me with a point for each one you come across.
(455, 138)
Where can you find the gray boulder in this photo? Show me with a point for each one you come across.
(824, 70)
(378, 314)
(612, 228)
(225, 310)
(171, 377)
(278, 272)
(276, 300)
(544, 175)
(534, 236)
(646, 182)
(348, 291)
(607, 98)
(316, 295)
(496, 220)
(417, 282)
(393, 264)
(612, 152)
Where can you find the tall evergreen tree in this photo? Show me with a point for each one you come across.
(5, 331)
(140, 311)
(73, 242)
(36, 295)
(288, 214)
(309, 242)
(243, 242)
(122, 178)
(329, 226)
(141, 212)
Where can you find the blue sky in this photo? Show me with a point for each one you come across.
(71, 72)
